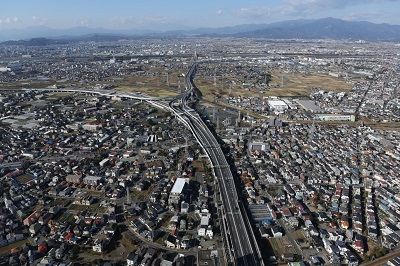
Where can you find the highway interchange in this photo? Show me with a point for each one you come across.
(241, 245)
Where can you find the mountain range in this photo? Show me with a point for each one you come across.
(325, 28)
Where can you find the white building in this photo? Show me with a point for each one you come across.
(209, 232)
(104, 162)
(259, 146)
(336, 117)
(277, 105)
(201, 231)
(176, 191)
(100, 245)
(91, 180)
(127, 154)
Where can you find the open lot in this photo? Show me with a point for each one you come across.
(148, 90)
(121, 246)
(199, 166)
(67, 217)
(57, 95)
(153, 83)
(281, 245)
(60, 202)
(300, 84)
(140, 195)
(91, 208)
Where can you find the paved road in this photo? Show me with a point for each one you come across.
(149, 243)
(289, 236)
(243, 247)
(383, 260)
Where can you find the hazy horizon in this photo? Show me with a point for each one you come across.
(157, 15)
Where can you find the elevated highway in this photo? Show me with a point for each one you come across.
(241, 244)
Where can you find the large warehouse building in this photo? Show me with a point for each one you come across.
(277, 105)
(310, 106)
(336, 117)
(261, 213)
(176, 191)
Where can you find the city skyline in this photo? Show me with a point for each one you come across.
(156, 15)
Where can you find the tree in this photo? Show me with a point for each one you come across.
(381, 252)
(98, 262)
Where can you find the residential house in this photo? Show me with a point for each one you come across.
(185, 242)
(263, 232)
(359, 246)
(44, 219)
(133, 259)
(35, 228)
(276, 231)
(100, 245)
(77, 179)
(32, 218)
(172, 241)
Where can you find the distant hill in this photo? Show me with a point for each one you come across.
(46, 32)
(325, 28)
(229, 30)
(35, 42)
(71, 39)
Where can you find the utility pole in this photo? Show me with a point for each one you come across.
(282, 74)
(186, 143)
(214, 113)
(215, 77)
(238, 119)
(128, 197)
(262, 101)
(311, 131)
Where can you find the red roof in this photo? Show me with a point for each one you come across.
(359, 243)
(14, 250)
(16, 172)
(67, 237)
(42, 248)
(98, 220)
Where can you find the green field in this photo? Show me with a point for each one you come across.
(274, 245)
(67, 217)
(60, 202)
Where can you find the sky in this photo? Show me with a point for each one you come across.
(164, 15)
